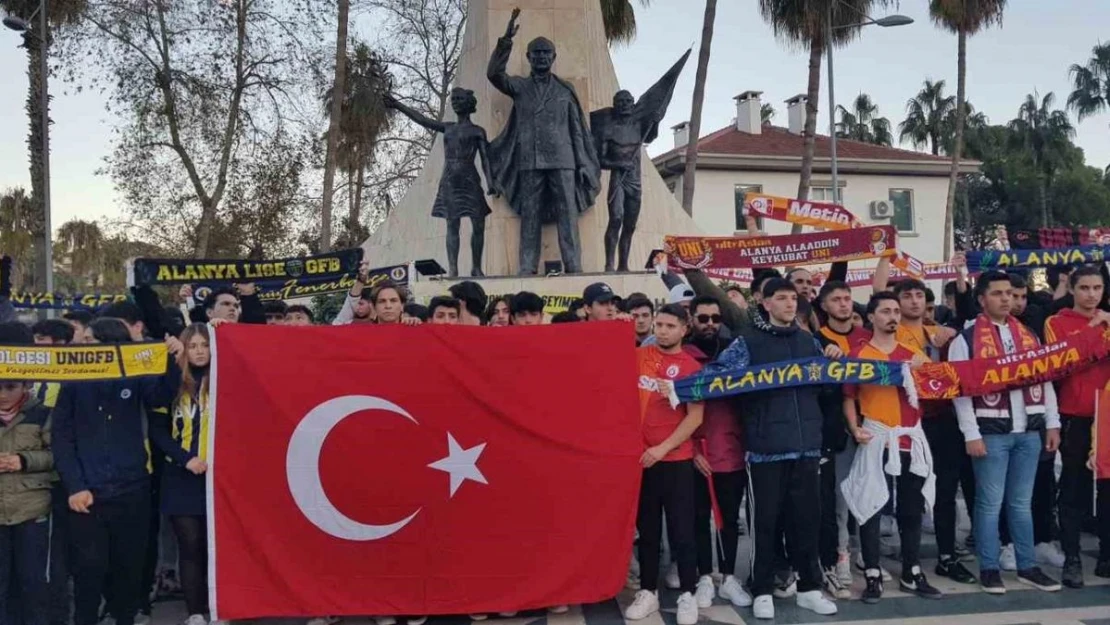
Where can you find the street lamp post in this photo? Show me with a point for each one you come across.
(24, 26)
(885, 22)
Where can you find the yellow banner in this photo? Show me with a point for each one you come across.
(552, 304)
(82, 363)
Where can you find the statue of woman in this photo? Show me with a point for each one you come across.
(460, 187)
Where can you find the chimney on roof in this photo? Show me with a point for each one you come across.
(748, 112)
(681, 134)
(796, 113)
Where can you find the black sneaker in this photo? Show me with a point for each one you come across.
(874, 590)
(952, 569)
(1073, 573)
(1102, 569)
(1035, 578)
(917, 584)
(991, 582)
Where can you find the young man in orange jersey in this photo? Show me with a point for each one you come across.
(889, 434)
(1076, 396)
(668, 460)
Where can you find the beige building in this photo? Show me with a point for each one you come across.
(880, 185)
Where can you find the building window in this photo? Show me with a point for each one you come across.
(902, 200)
(821, 194)
(739, 192)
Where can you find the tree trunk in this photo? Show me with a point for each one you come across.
(1042, 191)
(356, 207)
(339, 90)
(35, 105)
(958, 144)
(696, 106)
(809, 133)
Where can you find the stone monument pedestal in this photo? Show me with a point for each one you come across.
(575, 26)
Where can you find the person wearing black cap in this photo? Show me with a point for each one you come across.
(783, 437)
(601, 302)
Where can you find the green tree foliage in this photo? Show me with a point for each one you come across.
(862, 122)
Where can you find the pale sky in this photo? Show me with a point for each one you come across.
(1032, 50)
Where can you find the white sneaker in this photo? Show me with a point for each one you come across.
(319, 620)
(786, 588)
(814, 601)
(1006, 558)
(198, 619)
(671, 578)
(644, 605)
(833, 586)
(687, 613)
(764, 607)
(734, 592)
(844, 569)
(558, 609)
(479, 617)
(705, 591)
(417, 620)
(1049, 554)
(378, 620)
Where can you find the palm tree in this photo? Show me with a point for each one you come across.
(695, 107)
(335, 119)
(963, 17)
(1045, 134)
(863, 123)
(804, 23)
(58, 13)
(766, 114)
(1092, 84)
(619, 18)
(363, 118)
(83, 242)
(926, 116)
(16, 238)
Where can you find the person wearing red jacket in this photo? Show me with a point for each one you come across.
(719, 456)
(1076, 396)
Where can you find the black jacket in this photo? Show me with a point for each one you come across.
(782, 422)
(100, 434)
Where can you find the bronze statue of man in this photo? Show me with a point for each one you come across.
(619, 134)
(544, 160)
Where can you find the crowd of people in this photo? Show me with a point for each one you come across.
(93, 473)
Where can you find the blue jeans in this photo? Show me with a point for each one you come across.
(23, 563)
(1006, 473)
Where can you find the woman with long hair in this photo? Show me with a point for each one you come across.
(182, 436)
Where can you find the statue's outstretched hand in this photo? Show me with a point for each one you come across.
(512, 28)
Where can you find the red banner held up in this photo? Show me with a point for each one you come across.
(684, 252)
(428, 470)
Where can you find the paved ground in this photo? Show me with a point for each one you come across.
(961, 605)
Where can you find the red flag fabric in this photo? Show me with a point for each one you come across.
(1100, 435)
(371, 470)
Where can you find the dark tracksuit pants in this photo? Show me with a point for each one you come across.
(1075, 488)
(666, 488)
(730, 489)
(24, 558)
(909, 506)
(111, 537)
(60, 600)
(953, 470)
(792, 486)
(829, 535)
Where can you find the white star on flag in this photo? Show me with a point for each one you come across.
(461, 463)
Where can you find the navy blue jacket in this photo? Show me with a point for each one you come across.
(100, 434)
(779, 424)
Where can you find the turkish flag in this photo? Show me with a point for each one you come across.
(395, 470)
(1100, 435)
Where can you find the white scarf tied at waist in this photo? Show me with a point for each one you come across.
(865, 488)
